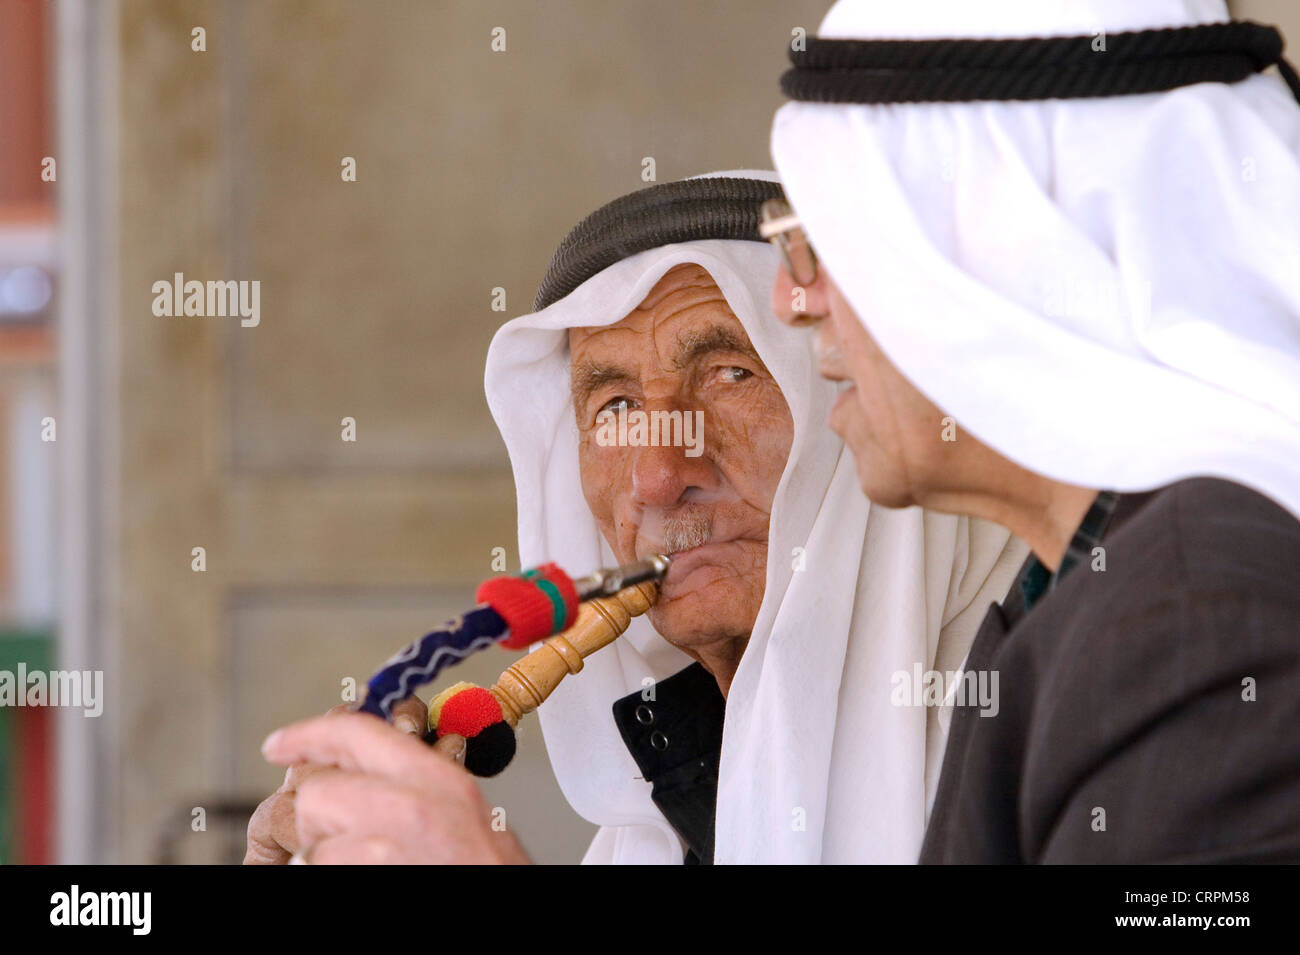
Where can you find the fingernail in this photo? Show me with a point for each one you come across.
(406, 725)
(271, 740)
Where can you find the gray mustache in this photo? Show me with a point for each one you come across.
(686, 530)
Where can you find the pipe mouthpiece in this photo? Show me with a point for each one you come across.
(610, 580)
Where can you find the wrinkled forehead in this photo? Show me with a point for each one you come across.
(685, 304)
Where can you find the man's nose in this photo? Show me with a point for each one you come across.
(661, 475)
(799, 305)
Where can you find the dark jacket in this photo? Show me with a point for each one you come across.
(674, 733)
(1148, 713)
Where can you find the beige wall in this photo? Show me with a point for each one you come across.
(323, 557)
(1283, 14)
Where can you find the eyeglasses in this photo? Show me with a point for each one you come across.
(780, 226)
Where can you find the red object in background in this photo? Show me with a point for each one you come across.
(34, 769)
(24, 85)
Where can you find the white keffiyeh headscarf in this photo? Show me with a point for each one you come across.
(1106, 291)
(817, 765)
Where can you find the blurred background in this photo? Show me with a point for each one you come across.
(128, 440)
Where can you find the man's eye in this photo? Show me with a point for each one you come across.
(613, 405)
(736, 373)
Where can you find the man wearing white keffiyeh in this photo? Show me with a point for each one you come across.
(1079, 264)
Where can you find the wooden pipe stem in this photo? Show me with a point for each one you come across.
(526, 684)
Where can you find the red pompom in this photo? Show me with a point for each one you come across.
(527, 611)
(469, 712)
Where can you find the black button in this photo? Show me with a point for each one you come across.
(644, 715)
(659, 741)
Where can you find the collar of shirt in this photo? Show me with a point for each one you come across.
(1107, 511)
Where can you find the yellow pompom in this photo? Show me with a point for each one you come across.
(435, 704)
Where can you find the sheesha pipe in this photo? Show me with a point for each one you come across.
(527, 683)
(585, 615)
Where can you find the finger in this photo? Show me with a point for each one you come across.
(411, 716)
(451, 746)
(272, 835)
(339, 802)
(297, 774)
(360, 743)
(283, 827)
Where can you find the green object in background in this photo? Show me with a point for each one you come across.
(35, 649)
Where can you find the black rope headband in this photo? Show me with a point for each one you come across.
(718, 208)
(963, 70)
